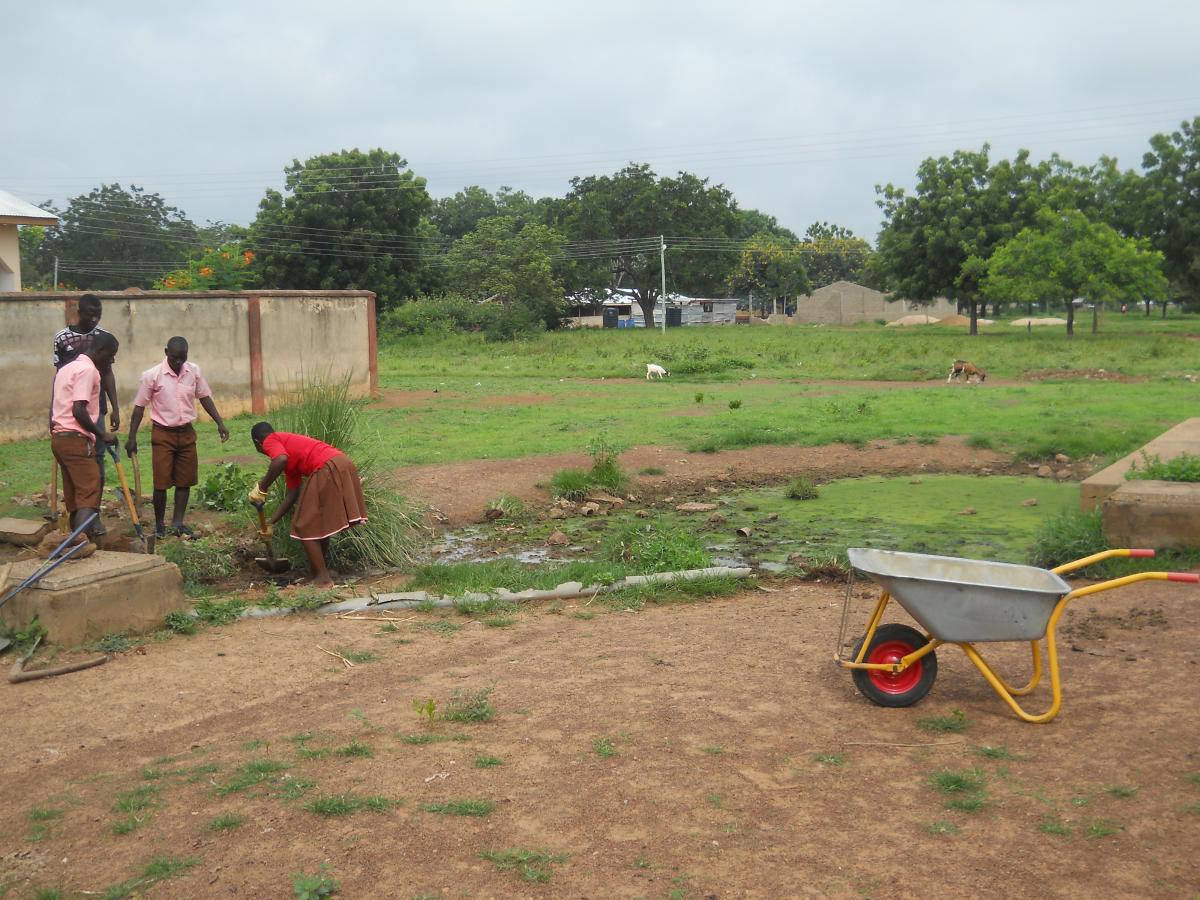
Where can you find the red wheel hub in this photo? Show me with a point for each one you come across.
(890, 653)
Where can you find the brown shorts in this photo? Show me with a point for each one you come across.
(175, 461)
(331, 500)
(80, 474)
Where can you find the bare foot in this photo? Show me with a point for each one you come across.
(325, 582)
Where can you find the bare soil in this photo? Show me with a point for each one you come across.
(745, 764)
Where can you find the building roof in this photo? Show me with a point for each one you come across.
(15, 211)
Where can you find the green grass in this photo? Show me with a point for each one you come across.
(533, 866)
(469, 706)
(713, 749)
(333, 805)
(226, 822)
(250, 774)
(161, 868)
(1184, 467)
(830, 759)
(1101, 828)
(488, 762)
(356, 749)
(989, 752)
(1054, 827)
(1122, 791)
(941, 826)
(432, 738)
(358, 656)
(950, 782)
(316, 886)
(604, 748)
(1072, 535)
(136, 800)
(955, 723)
(44, 814)
(461, 808)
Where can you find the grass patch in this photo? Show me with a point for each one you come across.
(158, 869)
(461, 808)
(1184, 467)
(44, 814)
(941, 826)
(355, 749)
(469, 706)
(292, 787)
(830, 759)
(441, 626)
(955, 723)
(358, 656)
(989, 752)
(422, 739)
(532, 865)
(1072, 535)
(226, 822)
(333, 805)
(713, 749)
(949, 782)
(1055, 827)
(652, 470)
(113, 642)
(1122, 791)
(1102, 828)
(136, 800)
(316, 886)
(216, 612)
(179, 622)
(488, 762)
(499, 621)
(255, 772)
(604, 748)
(802, 489)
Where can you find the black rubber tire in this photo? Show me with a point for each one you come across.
(866, 679)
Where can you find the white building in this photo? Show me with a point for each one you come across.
(13, 212)
(693, 310)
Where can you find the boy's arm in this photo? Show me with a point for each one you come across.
(135, 422)
(79, 409)
(211, 409)
(108, 384)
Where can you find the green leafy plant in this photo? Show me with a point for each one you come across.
(225, 488)
(1184, 467)
(955, 723)
(180, 622)
(735, 404)
(426, 709)
(469, 706)
(532, 865)
(315, 887)
(802, 489)
(604, 748)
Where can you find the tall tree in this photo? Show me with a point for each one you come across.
(347, 220)
(637, 205)
(833, 254)
(1170, 206)
(1064, 255)
(112, 238)
(771, 267)
(936, 242)
(513, 264)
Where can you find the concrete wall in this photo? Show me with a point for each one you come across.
(10, 259)
(846, 303)
(251, 346)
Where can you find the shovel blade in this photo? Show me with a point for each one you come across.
(270, 564)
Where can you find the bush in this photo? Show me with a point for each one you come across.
(1184, 467)
(226, 488)
(647, 548)
(452, 313)
(802, 489)
(696, 359)
(203, 561)
(1068, 536)
(570, 484)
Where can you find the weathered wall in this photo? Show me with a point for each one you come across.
(846, 303)
(251, 346)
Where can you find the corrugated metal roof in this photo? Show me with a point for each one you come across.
(15, 208)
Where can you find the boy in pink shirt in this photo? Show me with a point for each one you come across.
(171, 390)
(77, 432)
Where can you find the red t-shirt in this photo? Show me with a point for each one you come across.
(304, 454)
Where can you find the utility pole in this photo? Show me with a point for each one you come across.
(662, 264)
(55, 273)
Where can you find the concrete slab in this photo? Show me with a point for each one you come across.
(1183, 438)
(82, 600)
(1155, 514)
(22, 532)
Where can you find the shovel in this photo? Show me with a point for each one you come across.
(146, 544)
(137, 478)
(269, 563)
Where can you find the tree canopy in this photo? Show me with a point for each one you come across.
(771, 267)
(1168, 204)
(833, 254)
(1065, 256)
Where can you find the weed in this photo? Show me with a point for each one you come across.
(294, 787)
(713, 749)
(256, 744)
(420, 739)
(640, 863)
(1184, 467)
(472, 706)
(312, 752)
(969, 803)
(941, 826)
(44, 814)
(506, 507)
(426, 709)
(179, 622)
(358, 656)
(388, 628)
(1054, 827)
(24, 638)
(361, 718)
(1122, 791)
(346, 804)
(830, 759)
(570, 484)
(257, 771)
(699, 398)
(532, 864)
(214, 612)
(225, 488)
(649, 546)
(114, 642)
(441, 626)
(715, 800)
(47, 894)
(1099, 828)
(652, 470)
(585, 614)
(604, 748)
(488, 762)
(315, 887)
(955, 723)
(989, 752)
(158, 869)
(926, 440)
(136, 800)
(201, 562)
(802, 489)
(949, 782)
(355, 748)
(735, 404)
(980, 442)
(129, 824)
(226, 822)
(201, 772)
(461, 807)
(149, 773)
(499, 622)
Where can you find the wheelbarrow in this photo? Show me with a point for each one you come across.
(964, 602)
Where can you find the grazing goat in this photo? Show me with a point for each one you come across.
(964, 371)
(653, 370)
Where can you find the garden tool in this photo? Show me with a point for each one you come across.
(143, 544)
(53, 560)
(57, 516)
(137, 479)
(269, 563)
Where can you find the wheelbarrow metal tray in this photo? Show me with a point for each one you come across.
(959, 600)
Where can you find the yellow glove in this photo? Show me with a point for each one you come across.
(257, 496)
(268, 531)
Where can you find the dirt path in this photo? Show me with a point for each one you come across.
(461, 491)
(737, 760)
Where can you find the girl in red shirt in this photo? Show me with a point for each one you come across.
(323, 485)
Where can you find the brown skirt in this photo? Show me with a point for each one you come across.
(330, 501)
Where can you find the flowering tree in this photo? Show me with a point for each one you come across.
(224, 268)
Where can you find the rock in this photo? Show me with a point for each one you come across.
(773, 517)
(695, 507)
(969, 511)
(985, 471)
(556, 513)
(564, 503)
(745, 532)
(1061, 458)
(492, 513)
(716, 519)
(22, 532)
(1032, 501)
(557, 539)
(712, 490)
(590, 509)
(1062, 474)
(632, 498)
(914, 481)
(642, 513)
(601, 497)
(1044, 472)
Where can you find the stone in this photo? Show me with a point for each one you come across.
(609, 499)
(695, 507)
(1032, 501)
(773, 517)
(642, 513)
(969, 511)
(1044, 472)
(1062, 474)
(23, 532)
(1061, 458)
(83, 600)
(590, 509)
(556, 513)
(914, 481)
(716, 519)
(712, 490)
(557, 539)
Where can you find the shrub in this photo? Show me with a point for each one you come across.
(1068, 536)
(1184, 467)
(226, 488)
(204, 561)
(802, 489)
(571, 484)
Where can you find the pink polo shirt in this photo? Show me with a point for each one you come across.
(77, 380)
(172, 398)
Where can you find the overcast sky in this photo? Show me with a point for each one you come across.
(800, 109)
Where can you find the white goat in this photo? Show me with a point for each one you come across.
(653, 370)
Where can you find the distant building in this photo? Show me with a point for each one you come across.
(846, 303)
(13, 212)
(693, 310)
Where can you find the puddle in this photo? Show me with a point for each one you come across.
(470, 545)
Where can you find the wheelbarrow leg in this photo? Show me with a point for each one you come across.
(1006, 694)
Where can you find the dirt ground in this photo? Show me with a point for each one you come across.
(736, 759)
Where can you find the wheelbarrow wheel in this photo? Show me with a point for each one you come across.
(889, 644)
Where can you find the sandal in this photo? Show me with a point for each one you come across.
(183, 531)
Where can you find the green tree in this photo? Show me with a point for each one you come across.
(1067, 256)
(937, 241)
(833, 254)
(512, 264)
(772, 268)
(634, 207)
(347, 220)
(112, 238)
(1169, 206)
(35, 273)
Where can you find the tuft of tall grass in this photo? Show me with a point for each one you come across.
(321, 407)
(1073, 535)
